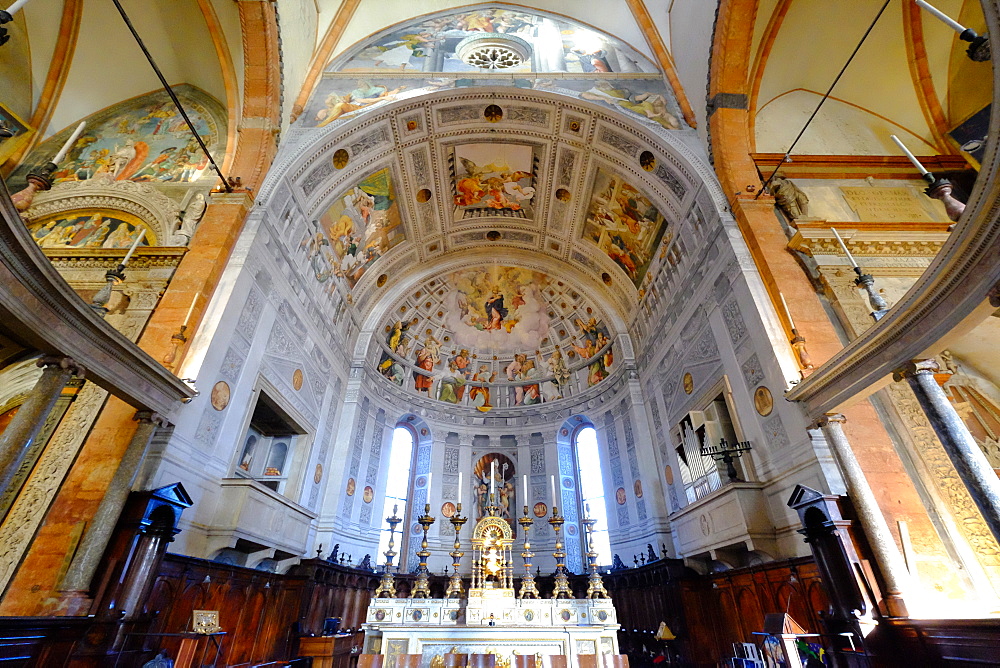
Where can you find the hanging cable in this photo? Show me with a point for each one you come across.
(823, 100)
(173, 96)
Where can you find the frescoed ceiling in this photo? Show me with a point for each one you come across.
(483, 170)
(438, 169)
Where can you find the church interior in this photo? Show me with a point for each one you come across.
(357, 334)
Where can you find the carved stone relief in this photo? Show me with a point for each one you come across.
(31, 506)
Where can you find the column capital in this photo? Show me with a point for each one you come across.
(828, 419)
(65, 363)
(915, 368)
(150, 417)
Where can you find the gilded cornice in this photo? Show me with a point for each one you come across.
(870, 239)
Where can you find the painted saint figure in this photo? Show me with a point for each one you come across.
(495, 311)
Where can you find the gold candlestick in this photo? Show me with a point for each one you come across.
(455, 582)
(528, 588)
(387, 586)
(595, 585)
(561, 589)
(422, 587)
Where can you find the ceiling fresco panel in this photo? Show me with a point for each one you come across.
(361, 226)
(623, 223)
(493, 179)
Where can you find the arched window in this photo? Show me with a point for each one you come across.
(397, 487)
(588, 461)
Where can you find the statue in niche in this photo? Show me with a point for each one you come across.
(651, 554)
(189, 220)
(789, 197)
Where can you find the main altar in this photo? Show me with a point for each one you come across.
(490, 617)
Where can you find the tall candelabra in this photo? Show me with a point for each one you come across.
(528, 588)
(455, 582)
(387, 586)
(595, 584)
(561, 589)
(422, 586)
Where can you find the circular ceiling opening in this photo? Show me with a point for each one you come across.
(493, 52)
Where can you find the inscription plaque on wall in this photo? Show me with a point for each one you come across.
(890, 205)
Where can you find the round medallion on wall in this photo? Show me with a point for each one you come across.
(220, 395)
(563, 195)
(421, 481)
(351, 486)
(411, 125)
(602, 615)
(647, 161)
(706, 526)
(448, 509)
(637, 488)
(318, 474)
(453, 615)
(567, 483)
(571, 530)
(381, 280)
(493, 235)
(369, 494)
(763, 401)
(417, 615)
(340, 158)
(415, 529)
(423, 431)
(493, 113)
(564, 432)
(379, 615)
(423, 195)
(688, 383)
(566, 615)
(668, 473)
(541, 510)
(528, 615)
(297, 379)
(606, 277)
(620, 496)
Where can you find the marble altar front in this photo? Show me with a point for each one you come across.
(501, 625)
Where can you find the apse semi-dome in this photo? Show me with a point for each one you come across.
(494, 335)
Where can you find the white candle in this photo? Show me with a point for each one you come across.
(429, 475)
(524, 488)
(190, 310)
(69, 143)
(850, 257)
(788, 313)
(913, 158)
(552, 488)
(460, 488)
(493, 477)
(135, 244)
(944, 18)
(16, 6)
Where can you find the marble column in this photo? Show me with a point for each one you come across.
(968, 458)
(30, 417)
(102, 525)
(887, 554)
